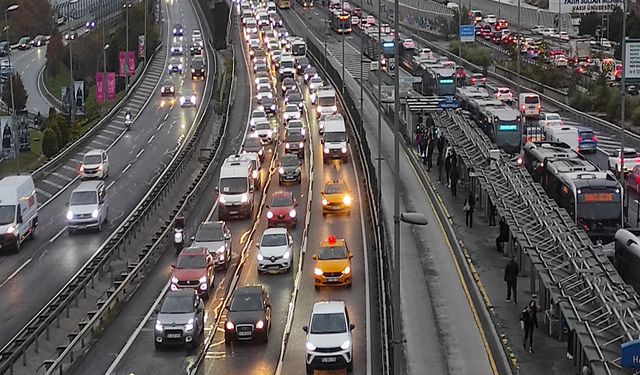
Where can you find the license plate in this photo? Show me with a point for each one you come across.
(173, 336)
(244, 333)
(274, 266)
(332, 279)
(328, 360)
(233, 212)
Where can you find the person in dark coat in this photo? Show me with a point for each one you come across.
(511, 272)
(447, 167)
(492, 214)
(424, 141)
(529, 322)
(503, 235)
(469, 205)
(440, 164)
(455, 175)
(441, 143)
(430, 147)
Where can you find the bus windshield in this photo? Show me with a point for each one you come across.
(326, 101)
(599, 209)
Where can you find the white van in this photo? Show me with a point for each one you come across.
(235, 188)
(18, 211)
(95, 164)
(327, 104)
(334, 139)
(530, 104)
(564, 134)
(88, 207)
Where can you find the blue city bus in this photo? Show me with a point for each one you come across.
(438, 81)
(503, 125)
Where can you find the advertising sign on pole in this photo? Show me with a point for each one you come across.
(111, 86)
(8, 151)
(141, 43)
(122, 59)
(100, 94)
(65, 97)
(467, 33)
(78, 89)
(131, 62)
(632, 61)
(584, 6)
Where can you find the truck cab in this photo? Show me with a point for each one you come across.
(334, 139)
(18, 211)
(236, 188)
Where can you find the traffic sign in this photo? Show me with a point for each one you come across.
(467, 33)
(630, 354)
(449, 102)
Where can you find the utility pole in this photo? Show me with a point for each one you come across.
(623, 89)
(397, 315)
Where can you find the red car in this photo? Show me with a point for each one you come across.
(194, 269)
(502, 24)
(478, 79)
(282, 211)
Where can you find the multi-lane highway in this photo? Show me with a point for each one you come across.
(29, 64)
(30, 278)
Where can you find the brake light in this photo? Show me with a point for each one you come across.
(594, 138)
(524, 107)
(579, 139)
(539, 107)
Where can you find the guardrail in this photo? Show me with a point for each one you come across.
(53, 163)
(94, 267)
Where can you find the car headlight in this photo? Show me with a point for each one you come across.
(347, 200)
(159, 326)
(162, 89)
(301, 144)
(174, 280)
(310, 347)
(69, 215)
(318, 271)
(347, 270)
(229, 326)
(193, 99)
(325, 202)
(292, 213)
(270, 95)
(261, 152)
(306, 77)
(255, 174)
(244, 198)
(334, 108)
(284, 88)
(222, 200)
(345, 345)
(203, 279)
(95, 213)
(269, 215)
(326, 150)
(286, 255)
(189, 326)
(182, 99)
(260, 257)
(193, 70)
(170, 66)
(287, 145)
(301, 105)
(273, 107)
(10, 229)
(281, 170)
(180, 66)
(259, 324)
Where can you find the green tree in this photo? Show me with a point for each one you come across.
(19, 93)
(49, 143)
(33, 17)
(56, 130)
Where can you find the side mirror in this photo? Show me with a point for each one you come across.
(251, 189)
(226, 307)
(157, 309)
(258, 245)
(227, 236)
(267, 206)
(305, 328)
(173, 266)
(193, 238)
(322, 141)
(268, 305)
(314, 257)
(350, 255)
(67, 204)
(295, 204)
(352, 326)
(217, 189)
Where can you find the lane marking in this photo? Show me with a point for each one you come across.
(26, 263)
(51, 183)
(160, 126)
(139, 153)
(60, 176)
(110, 185)
(43, 192)
(166, 116)
(126, 168)
(54, 238)
(136, 333)
(151, 139)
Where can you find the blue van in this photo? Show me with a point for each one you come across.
(587, 140)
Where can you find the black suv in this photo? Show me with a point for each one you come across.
(248, 315)
(198, 70)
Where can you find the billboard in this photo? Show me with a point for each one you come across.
(78, 89)
(65, 97)
(141, 46)
(22, 120)
(8, 151)
(111, 86)
(632, 61)
(100, 91)
(127, 63)
(584, 6)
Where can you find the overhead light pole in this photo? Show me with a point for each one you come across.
(70, 37)
(16, 145)
(623, 88)
(127, 5)
(379, 156)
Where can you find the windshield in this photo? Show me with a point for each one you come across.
(316, 80)
(328, 323)
(274, 240)
(177, 305)
(259, 114)
(264, 89)
(294, 124)
(210, 233)
(7, 214)
(630, 154)
(282, 201)
(295, 137)
(553, 117)
(92, 159)
(327, 101)
(286, 64)
(263, 126)
(329, 253)
(188, 262)
(335, 189)
(599, 209)
(79, 198)
(531, 99)
(246, 303)
(291, 108)
(233, 185)
(290, 162)
(335, 137)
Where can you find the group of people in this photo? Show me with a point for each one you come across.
(428, 139)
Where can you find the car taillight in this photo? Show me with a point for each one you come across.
(539, 107)
(524, 107)
(579, 139)
(594, 138)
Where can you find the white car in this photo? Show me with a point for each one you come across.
(538, 29)
(548, 31)
(275, 250)
(187, 99)
(177, 50)
(291, 112)
(560, 61)
(631, 159)
(264, 92)
(504, 94)
(262, 82)
(95, 164)
(563, 35)
(329, 344)
(264, 131)
(491, 19)
(297, 126)
(425, 53)
(254, 43)
(548, 120)
(257, 115)
(196, 35)
(315, 83)
(251, 26)
(176, 66)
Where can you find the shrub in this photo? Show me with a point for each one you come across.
(49, 143)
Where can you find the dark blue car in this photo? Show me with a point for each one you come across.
(587, 140)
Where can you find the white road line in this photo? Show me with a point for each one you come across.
(26, 263)
(160, 126)
(151, 139)
(102, 136)
(135, 333)
(68, 167)
(43, 192)
(51, 183)
(110, 185)
(126, 168)
(166, 116)
(60, 176)
(100, 143)
(57, 235)
(139, 153)
(110, 131)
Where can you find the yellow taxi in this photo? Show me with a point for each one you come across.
(336, 198)
(333, 263)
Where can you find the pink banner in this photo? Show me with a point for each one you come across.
(131, 59)
(111, 86)
(123, 63)
(99, 87)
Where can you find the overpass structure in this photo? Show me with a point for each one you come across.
(576, 285)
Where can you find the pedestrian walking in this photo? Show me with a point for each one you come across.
(418, 140)
(447, 166)
(441, 143)
(469, 205)
(440, 163)
(424, 141)
(511, 272)
(503, 234)
(430, 147)
(529, 322)
(455, 175)
(492, 214)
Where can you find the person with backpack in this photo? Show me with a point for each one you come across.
(469, 205)
(528, 323)
(511, 272)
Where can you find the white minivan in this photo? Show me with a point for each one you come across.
(564, 134)
(18, 211)
(88, 207)
(530, 104)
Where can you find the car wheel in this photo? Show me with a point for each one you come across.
(309, 370)
(100, 226)
(32, 235)
(324, 214)
(350, 367)
(316, 286)
(265, 337)
(157, 345)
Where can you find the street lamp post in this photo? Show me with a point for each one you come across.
(414, 218)
(518, 51)
(623, 88)
(144, 49)
(459, 26)
(127, 5)
(16, 145)
(379, 156)
(343, 38)
(70, 36)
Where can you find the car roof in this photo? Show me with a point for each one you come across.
(291, 156)
(249, 290)
(181, 293)
(192, 251)
(94, 152)
(274, 231)
(206, 225)
(282, 193)
(326, 307)
(89, 186)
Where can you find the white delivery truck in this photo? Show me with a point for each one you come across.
(18, 211)
(235, 188)
(334, 139)
(564, 134)
(327, 104)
